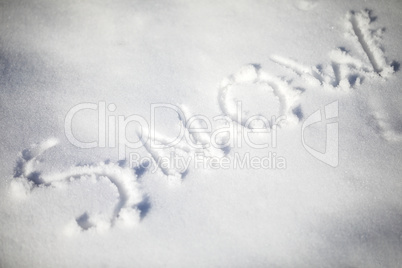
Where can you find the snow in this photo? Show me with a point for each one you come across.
(289, 123)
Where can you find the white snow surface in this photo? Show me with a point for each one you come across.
(328, 71)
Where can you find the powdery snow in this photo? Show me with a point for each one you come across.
(200, 134)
